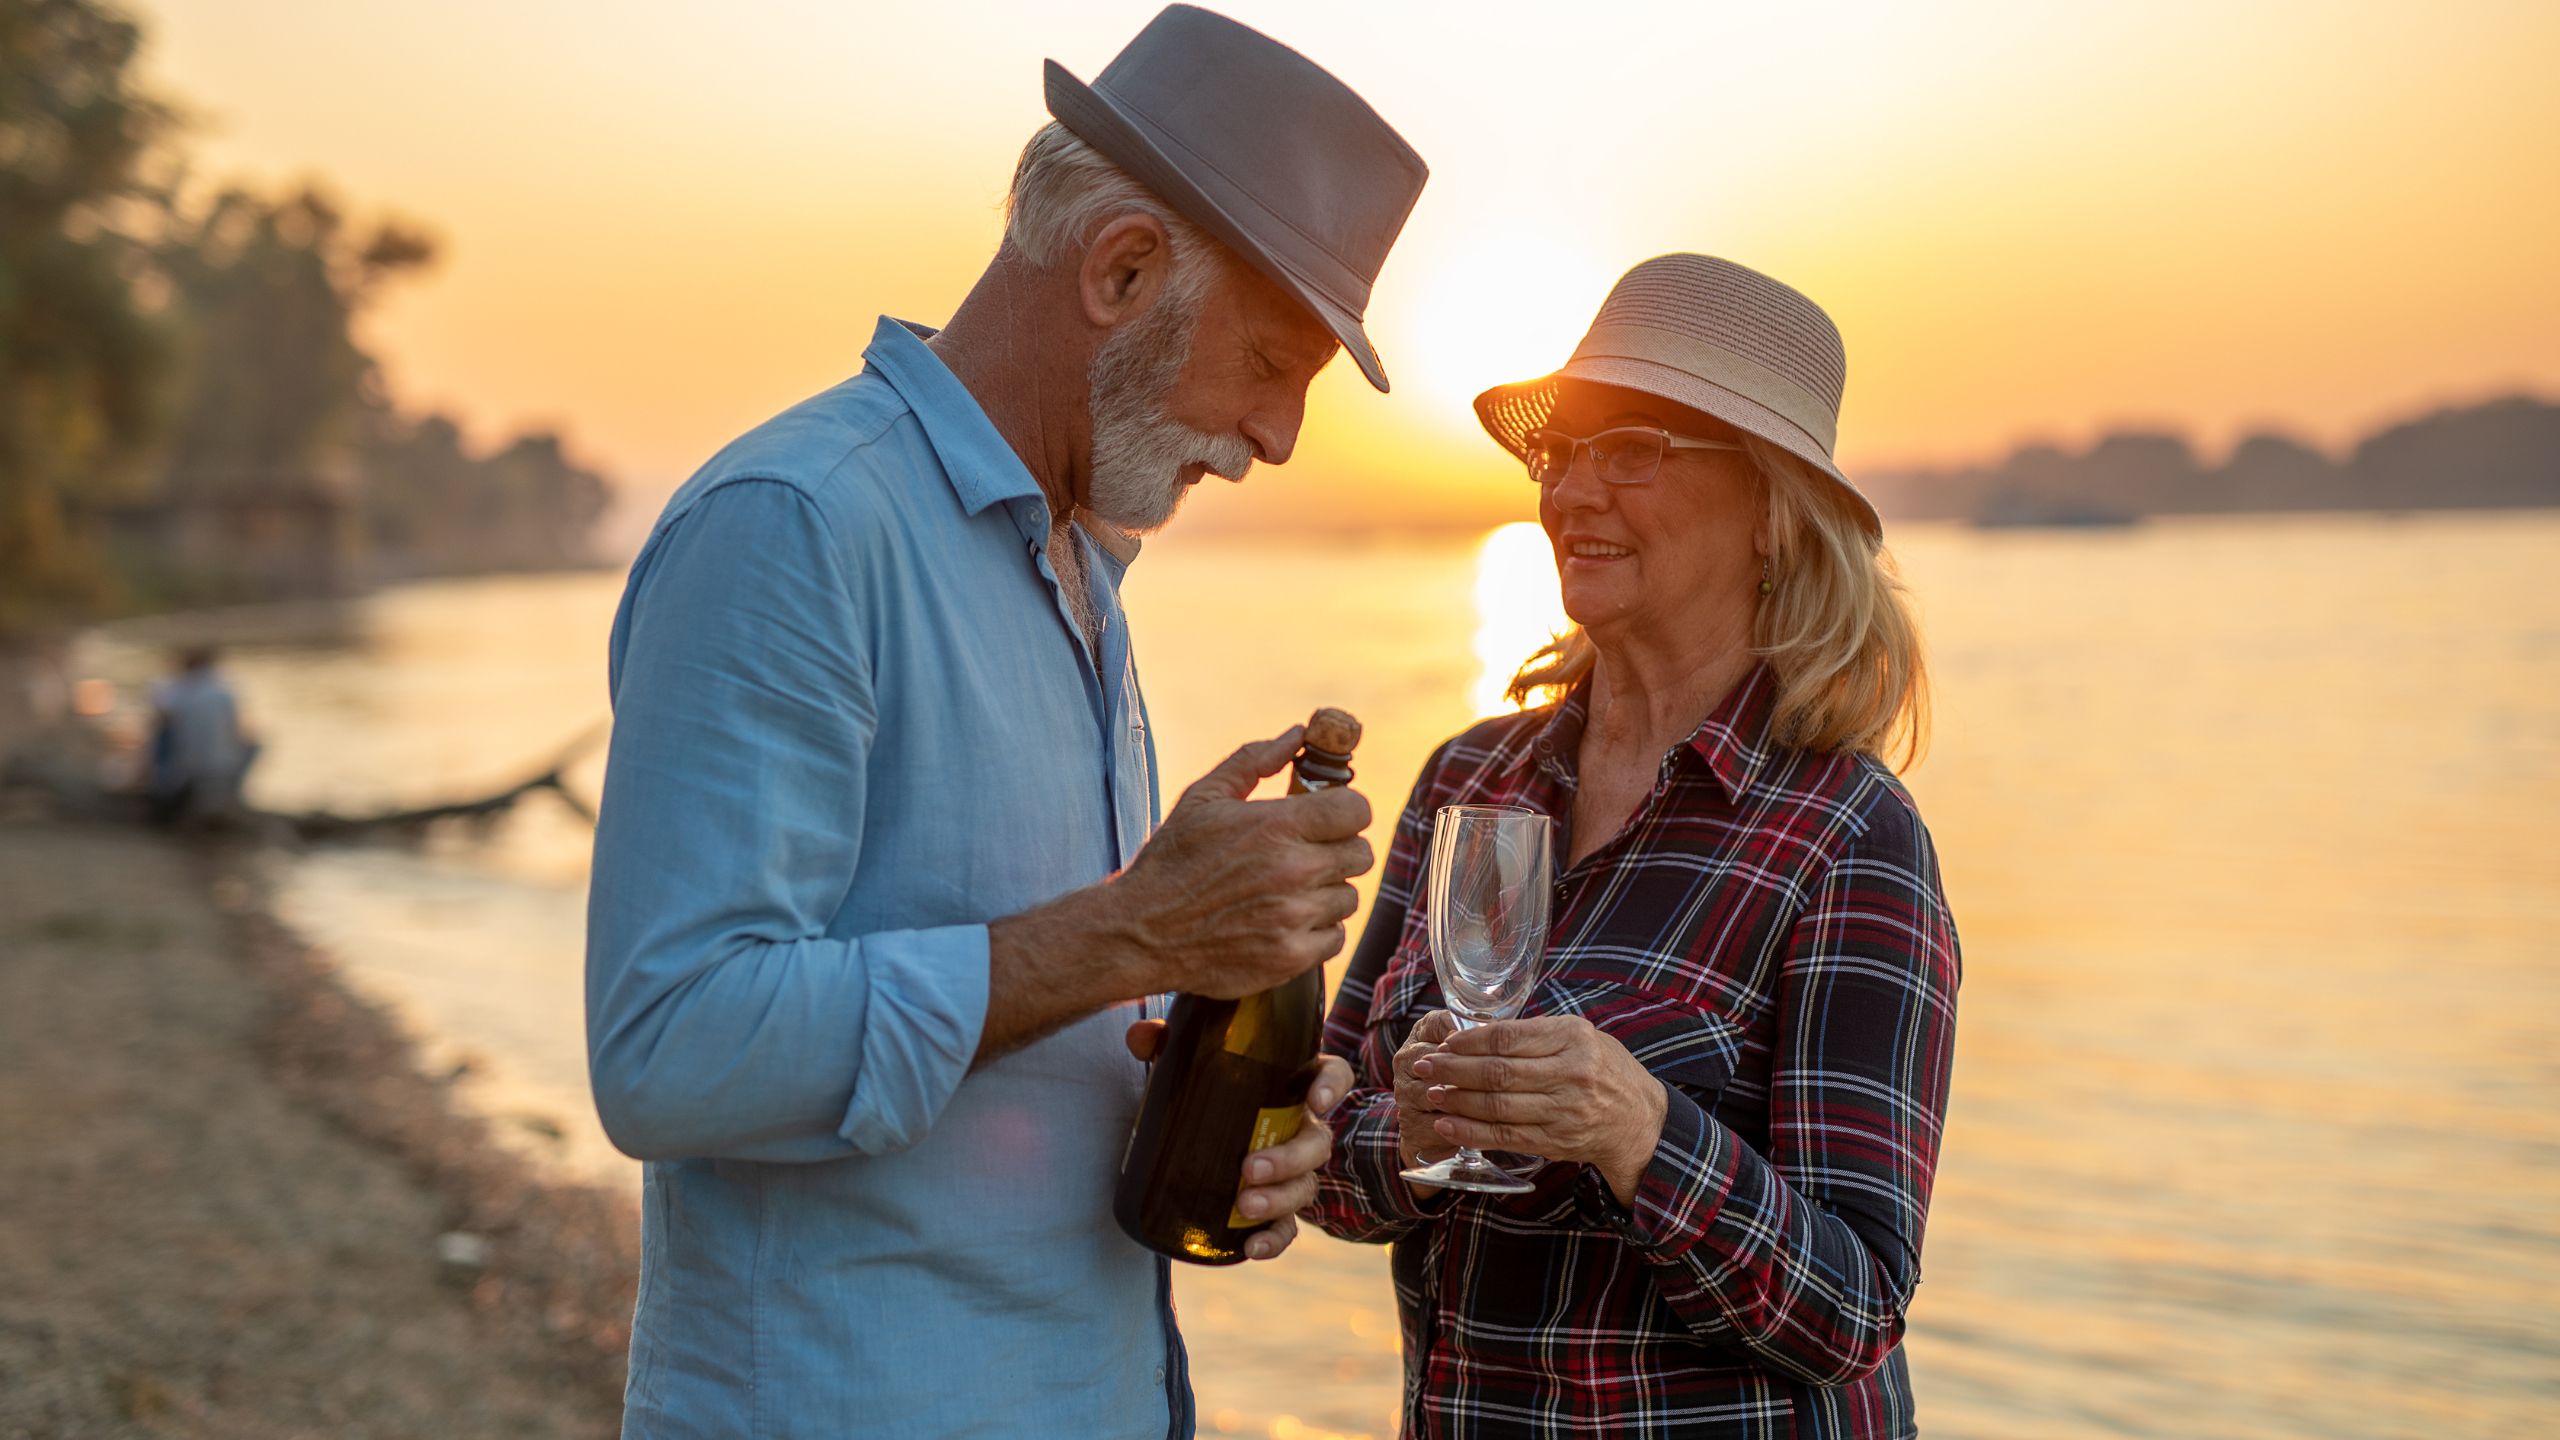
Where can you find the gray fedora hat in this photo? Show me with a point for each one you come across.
(1256, 144)
(1718, 338)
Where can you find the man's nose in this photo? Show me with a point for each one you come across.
(1272, 430)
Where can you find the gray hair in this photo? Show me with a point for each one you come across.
(1063, 191)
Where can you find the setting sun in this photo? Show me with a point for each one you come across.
(1491, 305)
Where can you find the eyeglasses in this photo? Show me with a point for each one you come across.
(1628, 455)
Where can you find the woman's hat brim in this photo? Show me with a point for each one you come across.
(1509, 412)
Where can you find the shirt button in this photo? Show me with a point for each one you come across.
(1159, 1374)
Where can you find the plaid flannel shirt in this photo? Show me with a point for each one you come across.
(1767, 935)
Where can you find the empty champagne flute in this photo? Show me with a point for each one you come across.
(1492, 868)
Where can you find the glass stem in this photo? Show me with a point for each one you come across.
(1468, 1157)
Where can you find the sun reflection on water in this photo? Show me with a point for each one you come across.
(1518, 608)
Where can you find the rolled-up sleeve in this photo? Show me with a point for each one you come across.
(723, 1020)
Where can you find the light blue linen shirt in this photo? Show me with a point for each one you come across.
(855, 722)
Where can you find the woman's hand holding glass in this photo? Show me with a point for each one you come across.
(1489, 870)
(1417, 1141)
(1555, 1086)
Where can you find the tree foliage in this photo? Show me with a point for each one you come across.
(79, 361)
(271, 382)
(431, 505)
(175, 361)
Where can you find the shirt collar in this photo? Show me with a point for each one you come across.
(982, 468)
(1733, 740)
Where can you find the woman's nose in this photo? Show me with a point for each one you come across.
(1580, 486)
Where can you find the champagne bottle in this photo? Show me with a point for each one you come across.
(1230, 1079)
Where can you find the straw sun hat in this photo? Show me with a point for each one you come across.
(1712, 336)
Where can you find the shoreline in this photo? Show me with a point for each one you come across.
(240, 1204)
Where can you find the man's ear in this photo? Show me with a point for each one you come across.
(1124, 269)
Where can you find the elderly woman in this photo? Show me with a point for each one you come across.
(1735, 1061)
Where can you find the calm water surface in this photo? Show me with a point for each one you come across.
(2247, 827)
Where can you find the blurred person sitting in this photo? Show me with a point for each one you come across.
(1735, 1058)
(200, 753)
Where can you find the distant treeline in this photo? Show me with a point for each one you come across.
(2501, 454)
(185, 414)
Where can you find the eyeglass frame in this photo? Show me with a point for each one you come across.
(1581, 443)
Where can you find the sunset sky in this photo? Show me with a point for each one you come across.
(662, 222)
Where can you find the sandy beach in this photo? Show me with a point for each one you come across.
(230, 1203)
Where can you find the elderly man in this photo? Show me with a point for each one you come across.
(875, 897)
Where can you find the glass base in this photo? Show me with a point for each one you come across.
(1468, 1170)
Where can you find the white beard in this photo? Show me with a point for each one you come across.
(1139, 452)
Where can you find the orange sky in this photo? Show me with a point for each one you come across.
(664, 221)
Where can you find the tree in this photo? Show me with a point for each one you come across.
(78, 359)
(430, 505)
(273, 388)
(549, 503)
(185, 413)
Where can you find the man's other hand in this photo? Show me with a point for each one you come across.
(1279, 1181)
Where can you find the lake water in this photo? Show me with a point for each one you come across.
(2247, 826)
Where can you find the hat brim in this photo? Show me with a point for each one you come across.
(1509, 412)
(1122, 138)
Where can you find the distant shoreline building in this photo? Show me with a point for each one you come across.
(231, 539)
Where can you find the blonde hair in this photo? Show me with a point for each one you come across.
(1837, 631)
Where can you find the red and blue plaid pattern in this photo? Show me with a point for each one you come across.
(1769, 936)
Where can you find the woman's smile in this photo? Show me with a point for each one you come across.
(1586, 552)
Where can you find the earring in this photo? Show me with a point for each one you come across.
(1765, 586)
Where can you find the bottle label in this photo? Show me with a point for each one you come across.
(1270, 1127)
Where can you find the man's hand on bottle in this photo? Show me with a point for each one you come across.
(1230, 896)
(1280, 1181)
(1234, 895)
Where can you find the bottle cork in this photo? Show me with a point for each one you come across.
(1333, 731)
(1324, 756)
